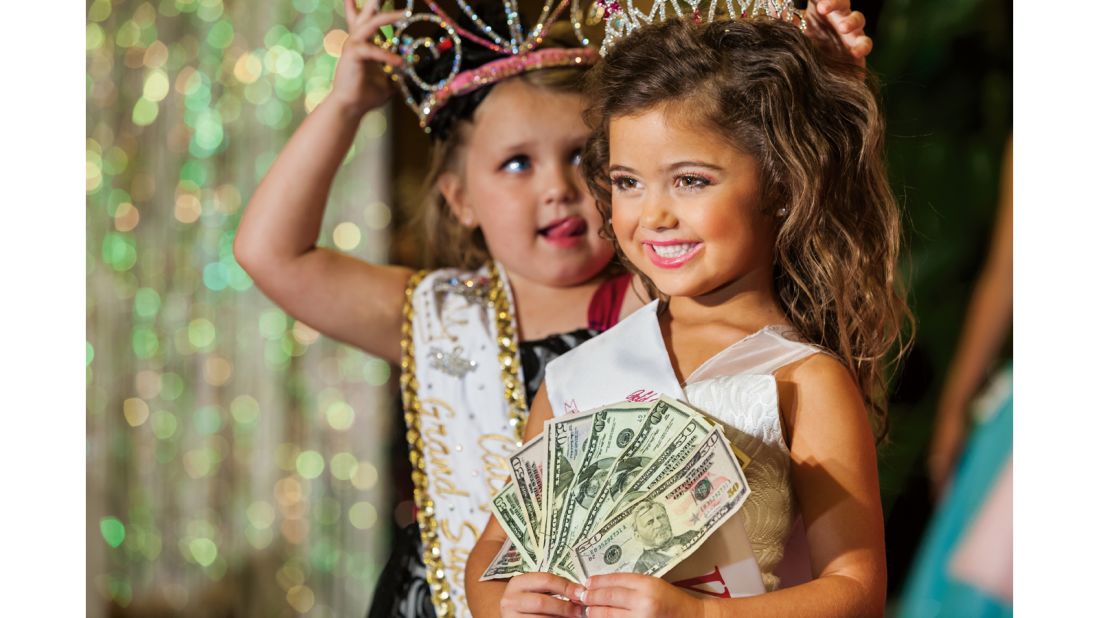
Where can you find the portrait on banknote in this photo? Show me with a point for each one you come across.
(591, 479)
(654, 531)
(625, 474)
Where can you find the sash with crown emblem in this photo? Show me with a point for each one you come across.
(464, 407)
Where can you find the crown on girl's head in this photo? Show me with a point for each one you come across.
(623, 17)
(441, 39)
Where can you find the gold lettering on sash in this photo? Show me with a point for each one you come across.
(447, 487)
(495, 449)
(436, 452)
(465, 526)
(431, 407)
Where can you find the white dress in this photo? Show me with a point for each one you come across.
(770, 510)
(736, 387)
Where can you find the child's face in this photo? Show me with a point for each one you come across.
(685, 207)
(521, 185)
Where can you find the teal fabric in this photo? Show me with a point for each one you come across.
(930, 590)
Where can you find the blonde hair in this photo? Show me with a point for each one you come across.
(448, 242)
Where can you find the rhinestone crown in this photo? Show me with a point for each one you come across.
(440, 33)
(623, 16)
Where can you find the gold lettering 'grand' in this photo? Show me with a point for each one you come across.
(433, 432)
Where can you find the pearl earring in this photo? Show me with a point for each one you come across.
(781, 212)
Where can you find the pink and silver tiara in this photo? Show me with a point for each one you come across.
(439, 34)
(623, 17)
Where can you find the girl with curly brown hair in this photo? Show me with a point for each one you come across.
(740, 173)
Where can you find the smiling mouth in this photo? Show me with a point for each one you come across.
(671, 254)
(565, 231)
(673, 251)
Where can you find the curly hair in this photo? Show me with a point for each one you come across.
(812, 122)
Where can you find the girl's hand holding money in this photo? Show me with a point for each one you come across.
(622, 595)
(533, 594)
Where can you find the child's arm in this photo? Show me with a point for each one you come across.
(835, 479)
(529, 593)
(341, 296)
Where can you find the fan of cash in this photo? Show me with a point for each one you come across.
(629, 487)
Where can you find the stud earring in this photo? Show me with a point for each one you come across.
(781, 212)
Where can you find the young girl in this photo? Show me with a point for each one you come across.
(741, 174)
(472, 340)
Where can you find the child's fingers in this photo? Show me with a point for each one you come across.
(862, 46)
(350, 12)
(631, 581)
(608, 612)
(364, 30)
(854, 22)
(540, 604)
(824, 7)
(546, 583)
(365, 52)
(613, 597)
(370, 9)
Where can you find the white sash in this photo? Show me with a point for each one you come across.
(464, 431)
(631, 362)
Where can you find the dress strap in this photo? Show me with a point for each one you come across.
(606, 303)
(763, 352)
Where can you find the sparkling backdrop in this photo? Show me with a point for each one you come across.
(233, 454)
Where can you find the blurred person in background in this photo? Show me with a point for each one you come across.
(964, 567)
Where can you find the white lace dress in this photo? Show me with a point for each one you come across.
(770, 512)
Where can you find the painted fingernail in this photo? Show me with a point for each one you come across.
(583, 595)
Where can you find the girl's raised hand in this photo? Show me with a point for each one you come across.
(629, 595)
(360, 84)
(531, 594)
(829, 20)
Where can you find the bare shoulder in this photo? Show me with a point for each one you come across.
(816, 392)
(820, 374)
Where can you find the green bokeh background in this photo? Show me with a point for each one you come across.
(234, 455)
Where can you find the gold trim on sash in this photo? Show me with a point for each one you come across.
(508, 340)
(514, 394)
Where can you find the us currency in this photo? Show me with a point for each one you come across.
(508, 508)
(507, 563)
(613, 429)
(695, 500)
(528, 466)
(637, 471)
(665, 421)
(567, 436)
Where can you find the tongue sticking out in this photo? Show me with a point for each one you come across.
(565, 228)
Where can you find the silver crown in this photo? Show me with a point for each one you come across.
(623, 19)
(440, 33)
